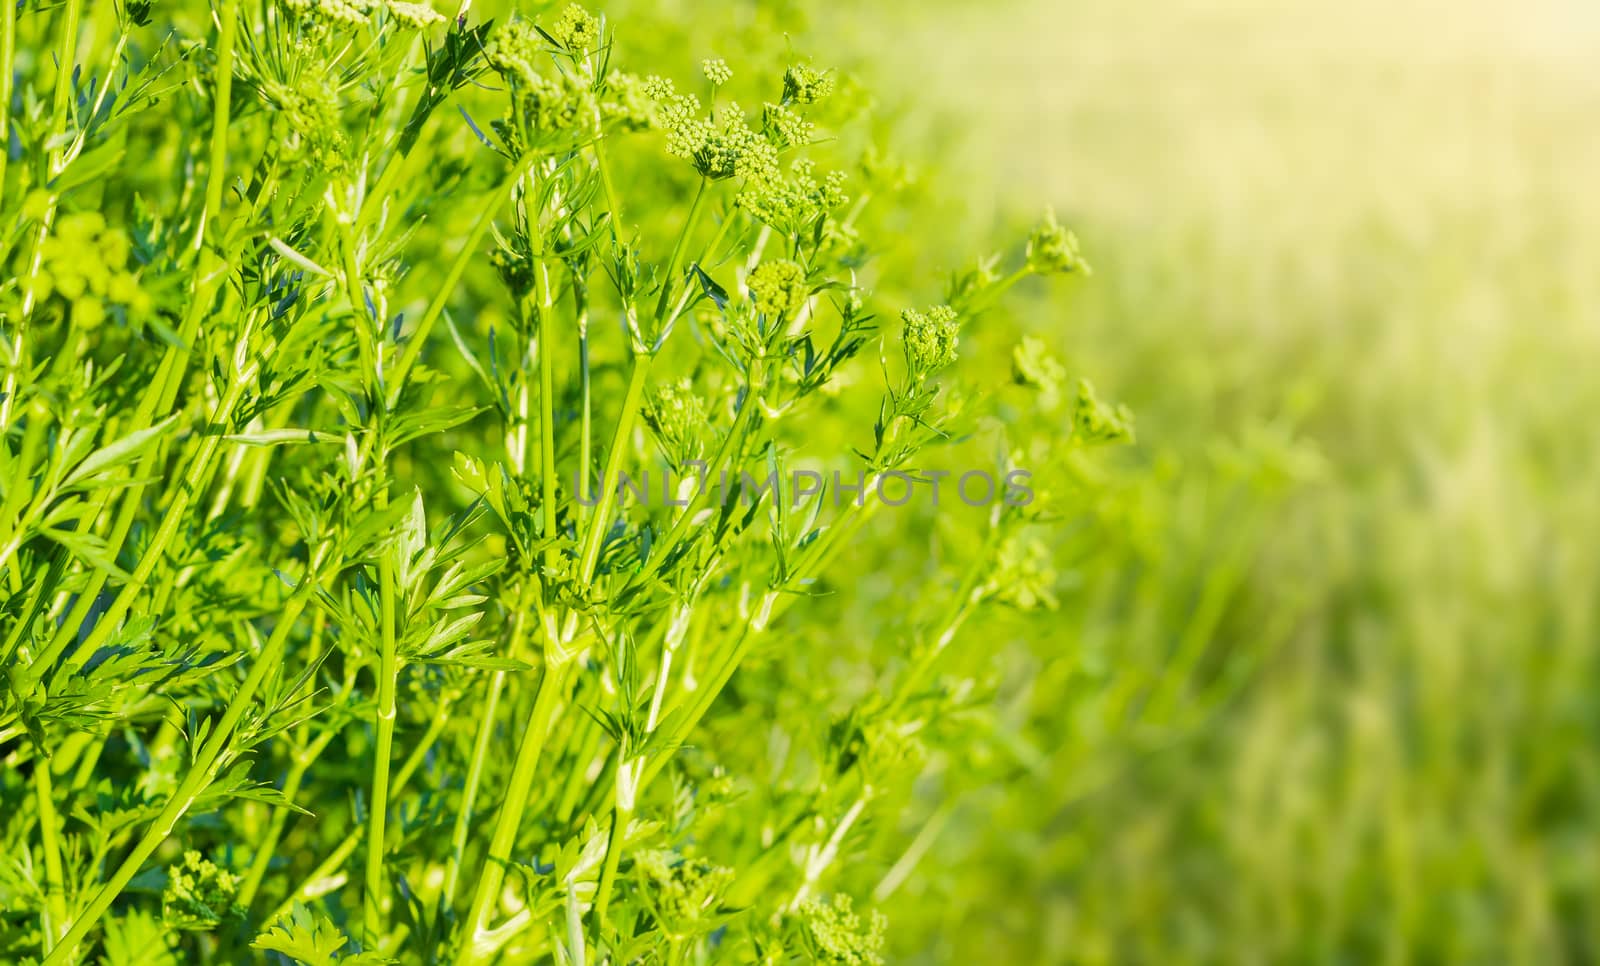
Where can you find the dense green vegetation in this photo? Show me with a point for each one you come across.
(329, 327)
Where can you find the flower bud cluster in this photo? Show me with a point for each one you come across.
(1053, 250)
(930, 339)
(199, 894)
(1094, 421)
(778, 289)
(676, 414)
(805, 85)
(792, 205)
(837, 934)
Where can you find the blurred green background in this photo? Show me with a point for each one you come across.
(1347, 277)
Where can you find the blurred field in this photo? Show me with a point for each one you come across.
(1372, 230)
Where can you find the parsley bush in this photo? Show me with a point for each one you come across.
(330, 330)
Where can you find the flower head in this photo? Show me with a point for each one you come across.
(676, 414)
(778, 289)
(1094, 421)
(514, 50)
(199, 894)
(792, 205)
(836, 934)
(415, 15)
(720, 147)
(930, 339)
(805, 85)
(785, 128)
(329, 13)
(682, 893)
(625, 102)
(578, 30)
(1054, 250)
(717, 71)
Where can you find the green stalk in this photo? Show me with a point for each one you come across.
(551, 689)
(547, 414)
(388, 673)
(195, 782)
(586, 424)
(608, 871)
(600, 522)
(192, 484)
(8, 59)
(66, 61)
(480, 754)
(670, 280)
(961, 604)
(219, 110)
(53, 920)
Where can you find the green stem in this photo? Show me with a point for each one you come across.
(220, 108)
(600, 522)
(54, 917)
(670, 281)
(8, 59)
(377, 819)
(480, 753)
(66, 61)
(586, 424)
(192, 484)
(608, 871)
(552, 687)
(547, 415)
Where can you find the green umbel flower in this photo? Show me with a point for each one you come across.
(682, 893)
(578, 30)
(930, 339)
(805, 85)
(415, 15)
(199, 895)
(1053, 250)
(717, 71)
(778, 289)
(1094, 421)
(677, 414)
(836, 934)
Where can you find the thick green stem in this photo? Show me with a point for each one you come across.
(54, 918)
(552, 688)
